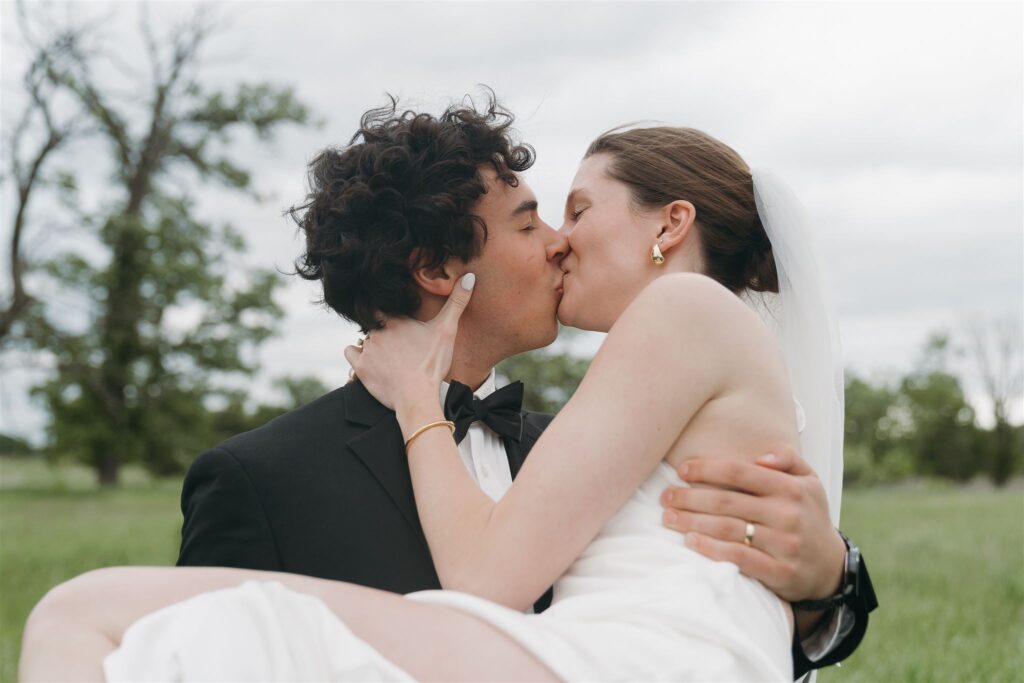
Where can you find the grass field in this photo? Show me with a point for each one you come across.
(948, 566)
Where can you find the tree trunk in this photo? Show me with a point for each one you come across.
(121, 343)
(1002, 452)
(108, 469)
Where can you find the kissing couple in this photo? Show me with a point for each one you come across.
(647, 536)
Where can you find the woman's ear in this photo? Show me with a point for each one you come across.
(677, 221)
(437, 281)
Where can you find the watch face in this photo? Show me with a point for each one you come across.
(852, 577)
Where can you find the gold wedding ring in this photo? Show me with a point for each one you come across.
(748, 537)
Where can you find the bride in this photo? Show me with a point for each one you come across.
(668, 231)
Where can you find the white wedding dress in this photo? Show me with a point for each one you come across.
(637, 605)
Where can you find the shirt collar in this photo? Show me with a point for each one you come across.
(485, 390)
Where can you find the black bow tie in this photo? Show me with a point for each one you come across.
(500, 411)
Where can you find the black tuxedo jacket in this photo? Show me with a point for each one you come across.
(325, 491)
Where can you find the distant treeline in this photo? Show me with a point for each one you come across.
(921, 424)
(208, 425)
(916, 425)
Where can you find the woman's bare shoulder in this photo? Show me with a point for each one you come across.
(696, 299)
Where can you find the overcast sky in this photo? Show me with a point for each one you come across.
(899, 125)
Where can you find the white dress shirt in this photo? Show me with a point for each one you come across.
(482, 451)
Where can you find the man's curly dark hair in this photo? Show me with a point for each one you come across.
(403, 188)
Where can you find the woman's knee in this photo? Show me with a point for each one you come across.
(75, 601)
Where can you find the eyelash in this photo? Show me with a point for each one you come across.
(576, 214)
(529, 228)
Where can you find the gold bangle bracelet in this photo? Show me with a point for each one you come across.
(440, 423)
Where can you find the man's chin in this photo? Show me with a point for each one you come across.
(538, 338)
(550, 333)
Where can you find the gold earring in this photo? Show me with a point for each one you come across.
(657, 256)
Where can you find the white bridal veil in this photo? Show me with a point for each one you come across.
(802, 318)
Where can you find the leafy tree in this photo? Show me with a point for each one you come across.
(128, 386)
(876, 433)
(871, 421)
(550, 376)
(235, 417)
(301, 390)
(944, 440)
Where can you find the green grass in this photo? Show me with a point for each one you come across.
(49, 533)
(948, 565)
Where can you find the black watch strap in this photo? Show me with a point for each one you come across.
(863, 603)
(848, 591)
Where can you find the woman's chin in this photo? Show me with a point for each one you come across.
(564, 314)
(567, 317)
(570, 314)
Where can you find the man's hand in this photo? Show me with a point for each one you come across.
(795, 551)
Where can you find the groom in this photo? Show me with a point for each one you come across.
(325, 490)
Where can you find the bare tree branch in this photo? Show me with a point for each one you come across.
(998, 354)
(27, 177)
(186, 43)
(998, 350)
(152, 49)
(83, 87)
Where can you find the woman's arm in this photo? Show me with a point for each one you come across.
(672, 350)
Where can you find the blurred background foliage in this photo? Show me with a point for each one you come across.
(899, 428)
(921, 424)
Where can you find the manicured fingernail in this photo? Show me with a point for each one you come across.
(690, 540)
(670, 516)
(666, 498)
(769, 459)
(469, 281)
(684, 469)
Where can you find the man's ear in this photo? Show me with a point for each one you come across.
(437, 281)
(677, 221)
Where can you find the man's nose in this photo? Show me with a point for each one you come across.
(558, 246)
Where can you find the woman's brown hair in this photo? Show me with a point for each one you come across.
(664, 164)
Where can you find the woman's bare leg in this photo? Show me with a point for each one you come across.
(80, 622)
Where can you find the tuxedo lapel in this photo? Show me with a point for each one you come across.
(517, 450)
(381, 449)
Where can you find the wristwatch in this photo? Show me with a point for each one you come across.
(849, 589)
